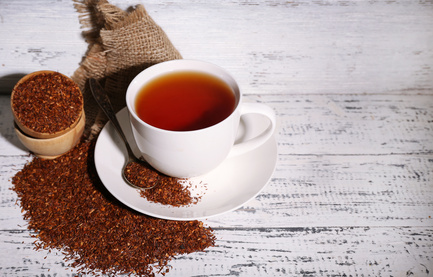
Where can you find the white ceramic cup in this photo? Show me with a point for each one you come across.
(192, 153)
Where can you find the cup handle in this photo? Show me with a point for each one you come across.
(246, 146)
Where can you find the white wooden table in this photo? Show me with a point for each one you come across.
(352, 84)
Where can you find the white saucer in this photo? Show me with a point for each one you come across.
(228, 187)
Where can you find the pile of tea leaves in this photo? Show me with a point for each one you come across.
(68, 208)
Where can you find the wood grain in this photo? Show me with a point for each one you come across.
(330, 251)
(327, 124)
(270, 46)
(356, 204)
(352, 85)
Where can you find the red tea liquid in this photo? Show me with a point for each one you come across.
(184, 101)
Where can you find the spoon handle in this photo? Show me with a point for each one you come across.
(104, 103)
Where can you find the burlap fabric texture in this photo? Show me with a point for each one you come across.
(121, 44)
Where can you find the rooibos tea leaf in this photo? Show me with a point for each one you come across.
(69, 209)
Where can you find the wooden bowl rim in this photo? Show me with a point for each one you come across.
(30, 132)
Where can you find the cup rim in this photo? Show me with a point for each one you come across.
(163, 68)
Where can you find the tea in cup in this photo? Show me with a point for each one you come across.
(185, 115)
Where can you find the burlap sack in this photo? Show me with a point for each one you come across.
(121, 44)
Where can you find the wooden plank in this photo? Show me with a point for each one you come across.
(334, 169)
(310, 191)
(329, 251)
(37, 35)
(326, 124)
(352, 124)
(352, 84)
(314, 191)
(320, 251)
(307, 47)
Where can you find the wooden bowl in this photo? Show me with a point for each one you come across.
(51, 148)
(30, 132)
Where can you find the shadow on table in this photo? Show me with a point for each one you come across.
(6, 119)
(8, 82)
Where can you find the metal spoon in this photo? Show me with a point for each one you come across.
(104, 103)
